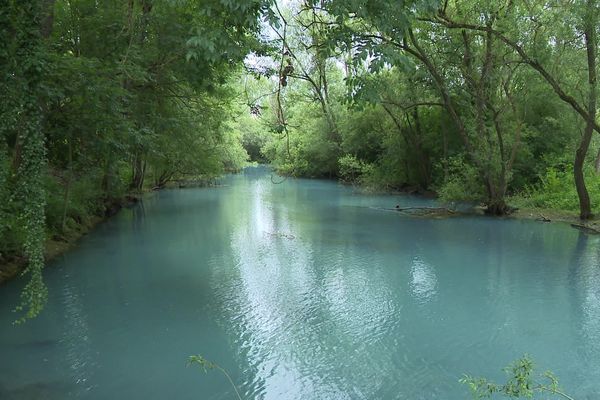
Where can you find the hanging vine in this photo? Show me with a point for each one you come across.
(22, 72)
(285, 69)
(30, 193)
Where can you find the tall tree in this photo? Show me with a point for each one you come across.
(541, 27)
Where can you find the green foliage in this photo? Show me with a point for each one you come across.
(104, 97)
(557, 191)
(305, 150)
(521, 383)
(9, 241)
(124, 96)
(429, 103)
(23, 66)
(247, 125)
(207, 365)
(353, 170)
(462, 183)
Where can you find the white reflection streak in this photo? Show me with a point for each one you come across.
(591, 300)
(268, 309)
(358, 299)
(76, 338)
(262, 216)
(424, 281)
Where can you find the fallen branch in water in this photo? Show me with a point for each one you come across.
(443, 209)
(543, 218)
(586, 229)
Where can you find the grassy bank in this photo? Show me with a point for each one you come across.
(558, 216)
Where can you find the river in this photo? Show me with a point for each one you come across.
(306, 290)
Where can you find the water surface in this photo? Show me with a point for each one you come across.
(304, 290)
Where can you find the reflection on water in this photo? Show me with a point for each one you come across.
(304, 290)
(586, 289)
(79, 355)
(423, 280)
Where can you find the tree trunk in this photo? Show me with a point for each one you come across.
(445, 150)
(47, 20)
(18, 150)
(422, 155)
(106, 183)
(585, 209)
(138, 173)
(406, 138)
(496, 205)
(67, 189)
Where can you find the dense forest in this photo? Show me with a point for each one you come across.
(490, 102)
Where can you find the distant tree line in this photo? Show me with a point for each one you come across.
(491, 101)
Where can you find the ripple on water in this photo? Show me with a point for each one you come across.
(305, 290)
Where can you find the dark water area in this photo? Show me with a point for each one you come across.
(304, 290)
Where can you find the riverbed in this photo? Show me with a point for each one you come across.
(304, 289)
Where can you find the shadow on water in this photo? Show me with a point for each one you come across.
(576, 265)
(55, 390)
(139, 216)
(584, 289)
(38, 345)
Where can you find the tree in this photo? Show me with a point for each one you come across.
(23, 60)
(96, 88)
(537, 21)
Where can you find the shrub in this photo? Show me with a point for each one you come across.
(352, 170)
(462, 182)
(556, 190)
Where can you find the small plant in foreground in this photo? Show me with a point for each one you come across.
(522, 383)
(208, 365)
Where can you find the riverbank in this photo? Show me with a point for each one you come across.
(58, 244)
(540, 215)
(546, 215)
(558, 216)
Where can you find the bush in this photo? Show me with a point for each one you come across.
(86, 199)
(522, 383)
(556, 190)
(462, 182)
(352, 170)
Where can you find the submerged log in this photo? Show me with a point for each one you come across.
(398, 208)
(587, 229)
(427, 211)
(195, 183)
(543, 218)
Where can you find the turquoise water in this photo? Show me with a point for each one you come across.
(304, 290)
